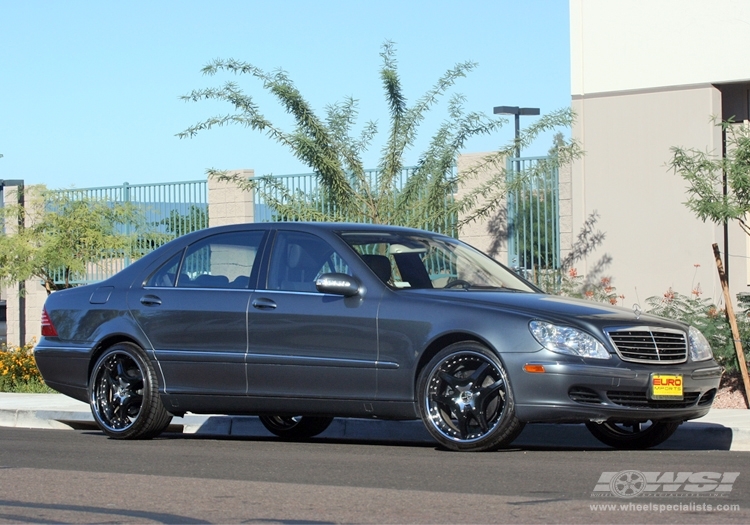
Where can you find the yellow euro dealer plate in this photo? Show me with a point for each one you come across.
(666, 386)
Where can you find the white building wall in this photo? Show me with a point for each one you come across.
(619, 45)
(642, 82)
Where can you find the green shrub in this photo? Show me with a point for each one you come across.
(708, 318)
(18, 370)
(570, 284)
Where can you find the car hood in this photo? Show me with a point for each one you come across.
(552, 307)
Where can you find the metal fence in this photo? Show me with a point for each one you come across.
(533, 215)
(167, 210)
(173, 209)
(308, 184)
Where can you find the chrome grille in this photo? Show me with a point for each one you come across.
(657, 346)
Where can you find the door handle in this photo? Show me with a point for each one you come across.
(150, 300)
(264, 304)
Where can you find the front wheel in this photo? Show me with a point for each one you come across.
(124, 394)
(295, 427)
(633, 435)
(465, 399)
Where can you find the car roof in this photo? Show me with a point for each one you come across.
(333, 227)
(310, 226)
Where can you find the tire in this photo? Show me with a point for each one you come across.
(632, 435)
(465, 399)
(295, 428)
(124, 394)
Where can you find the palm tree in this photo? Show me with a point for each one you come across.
(346, 190)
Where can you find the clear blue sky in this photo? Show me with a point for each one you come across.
(89, 90)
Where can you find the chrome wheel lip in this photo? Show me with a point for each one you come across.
(102, 395)
(466, 397)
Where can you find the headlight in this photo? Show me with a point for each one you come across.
(700, 350)
(567, 340)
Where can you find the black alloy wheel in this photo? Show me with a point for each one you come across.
(465, 399)
(633, 435)
(124, 395)
(295, 427)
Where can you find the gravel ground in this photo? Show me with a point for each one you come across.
(731, 393)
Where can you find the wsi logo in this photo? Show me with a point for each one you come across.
(632, 483)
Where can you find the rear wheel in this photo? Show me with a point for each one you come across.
(124, 394)
(465, 399)
(633, 435)
(295, 427)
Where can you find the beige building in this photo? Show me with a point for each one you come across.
(646, 76)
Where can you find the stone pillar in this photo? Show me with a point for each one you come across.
(35, 297)
(565, 179)
(227, 203)
(490, 234)
(35, 294)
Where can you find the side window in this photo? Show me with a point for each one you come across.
(220, 261)
(402, 266)
(298, 259)
(166, 276)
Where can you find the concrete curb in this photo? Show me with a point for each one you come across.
(719, 430)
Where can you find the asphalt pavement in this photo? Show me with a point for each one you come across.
(720, 429)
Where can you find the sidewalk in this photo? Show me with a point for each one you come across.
(721, 429)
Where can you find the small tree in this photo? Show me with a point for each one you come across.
(63, 235)
(327, 144)
(705, 172)
(719, 191)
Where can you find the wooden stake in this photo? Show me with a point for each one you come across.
(733, 323)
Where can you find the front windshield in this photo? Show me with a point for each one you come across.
(424, 261)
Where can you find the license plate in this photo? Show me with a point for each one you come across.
(666, 386)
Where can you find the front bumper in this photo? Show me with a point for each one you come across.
(576, 390)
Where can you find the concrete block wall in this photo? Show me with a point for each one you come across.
(487, 234)
(34, 296)
(227, 204)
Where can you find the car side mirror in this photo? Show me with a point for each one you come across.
(338, 284)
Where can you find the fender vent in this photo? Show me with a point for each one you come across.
(584, 395)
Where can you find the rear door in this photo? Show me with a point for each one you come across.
(193, 311)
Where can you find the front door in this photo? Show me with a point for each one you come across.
(303, 343)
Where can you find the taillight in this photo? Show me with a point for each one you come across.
(48, 329)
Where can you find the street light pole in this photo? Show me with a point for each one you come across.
(517, 112)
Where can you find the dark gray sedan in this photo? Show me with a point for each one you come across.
(300, 323)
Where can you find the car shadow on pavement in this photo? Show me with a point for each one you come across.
(691, 436)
